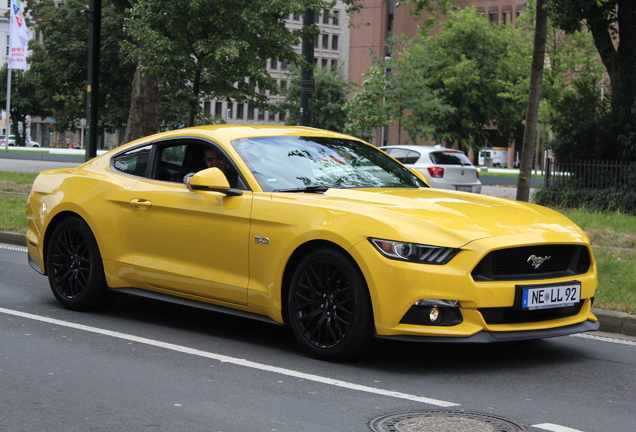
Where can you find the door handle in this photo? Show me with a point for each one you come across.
(140, 203)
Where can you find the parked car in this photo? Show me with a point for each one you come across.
(312, 229)
(444, 168)
(27, 141)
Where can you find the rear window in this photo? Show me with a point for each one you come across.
(404, 156)
(449, 158)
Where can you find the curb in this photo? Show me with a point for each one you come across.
(611, 321)
(16, 239)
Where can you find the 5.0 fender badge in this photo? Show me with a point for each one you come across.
(263, 240)
(537, 261)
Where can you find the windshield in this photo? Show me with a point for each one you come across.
(292, 162)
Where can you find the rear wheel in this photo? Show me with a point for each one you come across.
(74, 266)
(329, 306)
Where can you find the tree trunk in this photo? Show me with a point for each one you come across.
(532, 113)
(143, 118)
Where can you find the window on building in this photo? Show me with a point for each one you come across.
(325, 63)
(325, 17)
(250, 112)
(283, 65)
(334, 42)
(8, 45)
(296, 17)
(493, 17)
(261, 114)
(273, 64)
(334, 65)
(316, 40)
(336, 18)
(230, 110)
(207, 107)
(507, 17)
(239, 111)
(218, 109)
(325, 41)
(272, 116)
(283, 85)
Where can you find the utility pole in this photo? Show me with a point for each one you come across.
(307, 72)
(92, 90)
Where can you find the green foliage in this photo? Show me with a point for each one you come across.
(448, 86)
(366, 111)
(211, 49)
(328, 101)
(622, 200)
(24, 100)
(611, 23)
(579, 123)
(59, 67)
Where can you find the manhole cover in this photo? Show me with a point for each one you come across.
(443, 421)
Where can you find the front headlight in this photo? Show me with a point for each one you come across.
(413, 252)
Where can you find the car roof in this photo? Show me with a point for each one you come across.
(230, 132)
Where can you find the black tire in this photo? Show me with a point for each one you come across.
(74, 266)
(329, 306)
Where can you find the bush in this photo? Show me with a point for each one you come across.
(621, 200)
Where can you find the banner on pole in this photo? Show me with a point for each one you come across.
(18, 37)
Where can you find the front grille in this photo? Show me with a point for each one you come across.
(516, 316)
(517, 264)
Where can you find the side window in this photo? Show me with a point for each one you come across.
(133, 162)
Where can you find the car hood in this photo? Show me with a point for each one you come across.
(456, 218)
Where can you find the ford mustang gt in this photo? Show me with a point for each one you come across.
(312, 229)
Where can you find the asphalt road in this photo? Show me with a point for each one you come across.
(142, 365)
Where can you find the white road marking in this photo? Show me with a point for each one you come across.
(605, 339)
(233, 360)
(555, 428)
(13, 248)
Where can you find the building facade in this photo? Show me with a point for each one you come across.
(331, 50)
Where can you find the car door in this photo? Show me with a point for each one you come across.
(190, 242)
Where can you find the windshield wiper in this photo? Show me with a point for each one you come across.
(307, 189)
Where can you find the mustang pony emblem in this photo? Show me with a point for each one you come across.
(537, 261)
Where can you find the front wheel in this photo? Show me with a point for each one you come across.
(329, 306)
(74, 266)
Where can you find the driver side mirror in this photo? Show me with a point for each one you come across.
(213, 179)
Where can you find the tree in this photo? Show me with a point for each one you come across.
(367, 110)
(329, 99)
(532, 112)
(613, 26)
(59, 70)
(24, 101)
(449, 86)
(214, 49)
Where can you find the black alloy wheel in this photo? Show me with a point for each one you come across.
(74, 266)
(329, 306)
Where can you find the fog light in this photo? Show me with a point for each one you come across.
(433, 315)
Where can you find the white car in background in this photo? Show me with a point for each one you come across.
(27, 142)
(444, 168)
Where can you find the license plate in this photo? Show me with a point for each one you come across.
(464, 188)
(550, 296)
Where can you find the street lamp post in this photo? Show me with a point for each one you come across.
(92, 90)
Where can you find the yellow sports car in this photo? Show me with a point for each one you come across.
(309, 228)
